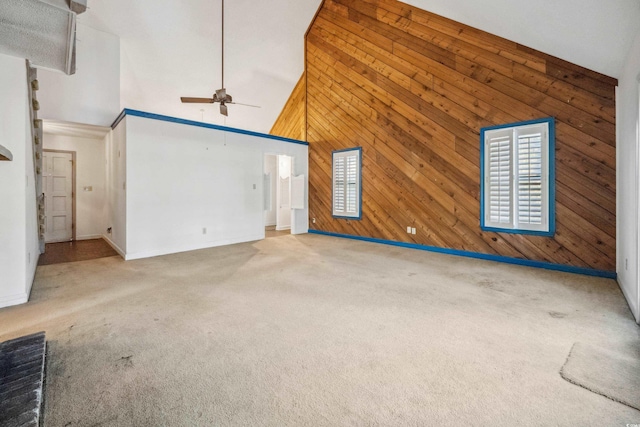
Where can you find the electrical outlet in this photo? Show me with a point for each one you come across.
(408, 229)
(204, 230)
(109, 230)
(313, 220)
(626, 263)
(413, 230)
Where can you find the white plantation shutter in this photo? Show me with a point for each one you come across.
(529, 179)
(499, 179)
(516, 182)
(346, 183)
(338, 184)
(351, 182)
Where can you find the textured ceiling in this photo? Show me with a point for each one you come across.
(42, 32)
(171, 48)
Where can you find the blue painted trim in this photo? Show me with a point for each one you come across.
(552, 178)
(355, 218)
(476, 255)
(552, 175)
(549, 120)
(118, 119)
(152, 116)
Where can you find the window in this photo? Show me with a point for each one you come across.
(518, 180)
(347, 189)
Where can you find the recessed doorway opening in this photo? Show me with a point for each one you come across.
(278, 173)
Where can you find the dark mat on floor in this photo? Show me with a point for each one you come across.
(21, 376)
(610, 373)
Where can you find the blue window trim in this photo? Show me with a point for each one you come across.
(355, 218)
(552, 178)
(477, 255)
(152, 116)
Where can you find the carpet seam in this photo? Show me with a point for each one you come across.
(574, 381)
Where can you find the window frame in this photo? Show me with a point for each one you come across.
(550, 177)
(343, 153)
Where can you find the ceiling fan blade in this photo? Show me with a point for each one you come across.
(245, 105)
(223, 110)
(189, 100)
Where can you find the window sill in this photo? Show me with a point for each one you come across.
(355, 218)
(550, 233)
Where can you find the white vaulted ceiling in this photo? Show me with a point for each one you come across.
(171, 48)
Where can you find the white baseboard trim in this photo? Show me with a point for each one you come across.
(192, 247)
(269, 224)
(633, 305)
(32, 278)
(283, 228)
(89, 237)
(10, 300)
(114, 246)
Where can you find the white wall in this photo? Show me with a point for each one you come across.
(627, 179)
(92, 94)
(182, 179)
(18, 244)
(116, 182)
(271, 168)
(90, 172)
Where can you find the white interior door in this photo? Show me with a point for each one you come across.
(58, 193)
(283, 215)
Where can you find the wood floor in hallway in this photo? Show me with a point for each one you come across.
(79, 250)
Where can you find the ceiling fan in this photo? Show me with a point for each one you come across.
(220, 95)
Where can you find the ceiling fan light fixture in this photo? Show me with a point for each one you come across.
(220, 95)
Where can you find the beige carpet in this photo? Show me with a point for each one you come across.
(613, 373)
(318, 331)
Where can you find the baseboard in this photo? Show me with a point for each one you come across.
(633, 305)
(303, 231)
(283, 228)
(90, 237)
(114, 246)
(16, 299)
(33, 278)
(268, 224)
(477, 255)
(192, 247)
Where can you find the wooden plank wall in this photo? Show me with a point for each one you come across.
(291, 121)
(414, 89)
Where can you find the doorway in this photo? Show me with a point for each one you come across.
(59, 181)
(277, 189)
